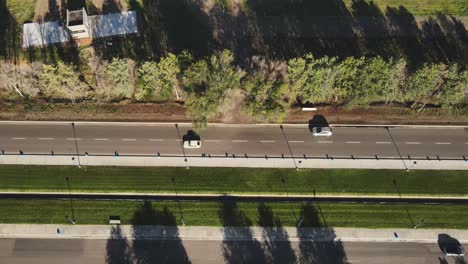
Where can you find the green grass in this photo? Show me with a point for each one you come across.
(22, 10)
(218, 214)
(424, 7)
(329, 8)
(232, 180)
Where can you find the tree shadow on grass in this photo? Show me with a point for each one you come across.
(147, 223)
(239, 245)
(317, 241)
(9, 36)
(276, 240)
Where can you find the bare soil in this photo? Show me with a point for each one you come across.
(175, 112)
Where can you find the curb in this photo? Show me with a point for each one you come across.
(219, 124)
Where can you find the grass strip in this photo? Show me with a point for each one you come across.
(235, 214)
(232, 180)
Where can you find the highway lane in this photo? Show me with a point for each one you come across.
(138, 139)
(51, 251)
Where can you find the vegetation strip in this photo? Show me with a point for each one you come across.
(234, 214)
(232, 180)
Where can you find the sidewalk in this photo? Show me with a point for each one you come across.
(235, 233)
(235, 162)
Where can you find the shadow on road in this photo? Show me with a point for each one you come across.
(148, 222)
(239, 245)
(117, 248)
(276, 240)
(317, 242)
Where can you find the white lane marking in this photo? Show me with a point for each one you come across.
(239, 141)
(325, 142)
(101, 139)
(178, 140)
(443, 143)
(129, 139)
(296, 141)
(18, 138)
(45, 138)
(212, 140)
(353, 142)
(413, 143)
(72, 139)
(267, 141)
(382, 142)
(156, 139)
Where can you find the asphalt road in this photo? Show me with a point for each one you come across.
(128, 139)
(50, 251)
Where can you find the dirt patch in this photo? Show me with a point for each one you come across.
(174, 112)
(231, 111)
(164, 112)
(110, 6)
(48, 10)
(380, 115)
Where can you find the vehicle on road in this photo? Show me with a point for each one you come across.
(454, 251)
(192, 144)
(322, 131)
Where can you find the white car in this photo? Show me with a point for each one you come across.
(192, 144)
(321, 131)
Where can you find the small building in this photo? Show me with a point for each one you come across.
(78, 24)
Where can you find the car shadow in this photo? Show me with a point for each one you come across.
(450, 244)
(191, 135)
(318, 121)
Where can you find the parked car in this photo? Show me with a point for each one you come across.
(322, 131)
(192, 144)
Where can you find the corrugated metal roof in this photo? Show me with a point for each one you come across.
(37, 35)
(114, 24)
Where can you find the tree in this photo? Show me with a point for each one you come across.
(265, 89)
(425, 85)
(62, 81)
(22, 80)
(454, 88)
(207, 82)
(118, 71)
(347, 88)
(158, 78)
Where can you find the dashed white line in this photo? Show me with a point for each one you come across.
(239, 141)
(73, 139)
(325, 142)
(156, 139)
(443, 143)
(212, 140)
(45, 138)
(353, 142)
(382, 142)
(413, 143)
(101, 139)
(128, 139)
(18, 138)
(296, 141)
(267, 141)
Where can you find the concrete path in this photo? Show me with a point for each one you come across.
(234, 162)
(218, 233)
